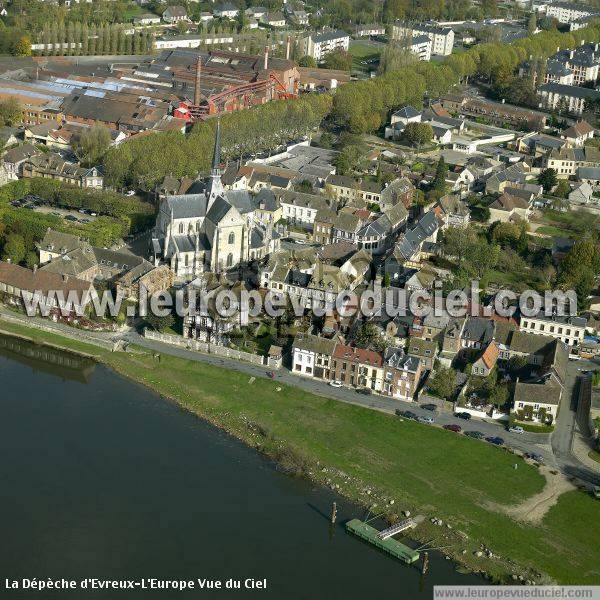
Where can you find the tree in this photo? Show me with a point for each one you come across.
(307, 61)
(418, 133)
(22, 46)
(532, 24)
(547, 179)
(10, 111)
(14, 248)
(443, 382)
(458, 241)
(439, 181)
(498, 395)
(91, 145)
(160, 323)
(339, 60)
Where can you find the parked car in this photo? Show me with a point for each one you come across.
(335, 383)
(476, 435)
(497, 441)
(463, 415)
(365, 391)
(431, 407)
(407, 414)
(427, 420)
(533, 456)
(516, 429)
(130, 193)
(596, 492)
(453, 427)
(270, 374)
(71, 218)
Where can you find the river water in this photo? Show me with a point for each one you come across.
(101, 478)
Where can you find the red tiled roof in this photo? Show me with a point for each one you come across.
(358, 355)
(490, 356)
(43, 281)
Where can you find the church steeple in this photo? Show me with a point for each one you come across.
(216, 166)
(215, 186)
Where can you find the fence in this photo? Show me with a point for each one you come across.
(204, 347)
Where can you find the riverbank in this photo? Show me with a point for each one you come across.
(377, 459)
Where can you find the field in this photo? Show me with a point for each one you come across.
(363, 51)
(427, 470)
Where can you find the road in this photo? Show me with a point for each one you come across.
(526, 442)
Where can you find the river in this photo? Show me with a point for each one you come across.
(102, 478)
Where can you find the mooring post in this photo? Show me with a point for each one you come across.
(333, 513)
(425, 565)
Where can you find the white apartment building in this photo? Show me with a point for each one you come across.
(567, 12)
(420, 46)
(320, 45)
(442, 38)
(569, 98)
(569, 330)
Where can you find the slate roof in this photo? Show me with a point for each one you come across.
(478, 329)
(314, 343)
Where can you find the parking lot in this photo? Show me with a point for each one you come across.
(37, 204)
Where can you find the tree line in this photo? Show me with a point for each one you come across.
(81, 39)
(146, 160)
(357, 107)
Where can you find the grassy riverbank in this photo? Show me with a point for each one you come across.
(357, 451)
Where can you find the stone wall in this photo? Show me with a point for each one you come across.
(204, 347)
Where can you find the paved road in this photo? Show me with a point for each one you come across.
(562, 437)
(527, 442)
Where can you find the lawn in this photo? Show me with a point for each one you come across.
(425, 469)
(594, 455)
(363, 51)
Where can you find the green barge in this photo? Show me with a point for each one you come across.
(390, 545)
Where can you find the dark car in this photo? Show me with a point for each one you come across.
(407, 414)
(497, 441)
(453, 427)
(71, 218)
(271, 374)
(477, 435)
(463, 415)
(535, 457)
(365, 391)
(429, 406)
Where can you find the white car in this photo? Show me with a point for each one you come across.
(516, 429)
(426, 420)
(335, 383)
(130, 193)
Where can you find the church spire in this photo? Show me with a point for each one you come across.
(215, 186)
(216, 167)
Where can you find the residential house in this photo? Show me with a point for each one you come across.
(299, 208)
(53, 166)
(425, 350)
(400, 190)
(174, 14)
(486, 362)
(567, 161)
(578, 134)
(49, 290)
(569, 329)
(508, 207)
(582, 193)
(312, 356)
(323, 226)
(357, 367)
(14, 158)
(227, 10)
(401, 374)
(590, 175)
(516, 173)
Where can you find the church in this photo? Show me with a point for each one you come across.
(209, 228)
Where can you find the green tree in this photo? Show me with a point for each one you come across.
(339, 60)
(418, 133)
(160, 323)
(10, 111)
(91, 145)
(441, 170)
(547, 179)
(443, 382)
(14, 248)
(307, 61)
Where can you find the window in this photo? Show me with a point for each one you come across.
(231, 239)
(180, 227)
(229, 259)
